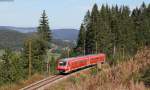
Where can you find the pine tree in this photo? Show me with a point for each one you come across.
(115, 23)
(104, 31)
(137, 26)
(92, 29)
(86, 20)
(81, 39)
(126, 39)
(38, 52)
(81, 42)
(141, 20)
(146, 26)
(44, 30)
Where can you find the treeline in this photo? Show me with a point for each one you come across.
(15, 66)
(114, 30)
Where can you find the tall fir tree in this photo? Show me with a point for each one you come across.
(44, 30)
(81, 39)
(36, 50)
(92, 29)
(86, 20)
(114, 25)
(137, 26)
(104, 31)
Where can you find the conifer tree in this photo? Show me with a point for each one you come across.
(44, 30)
(86, 20)
(38, 52)
(114, 25)
(81, 39)
(104, 31)
(126, 39)
(92, 29)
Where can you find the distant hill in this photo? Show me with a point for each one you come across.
(14, 37)
(19, 29)
(11, 39)
(62, 34)
(65, 34)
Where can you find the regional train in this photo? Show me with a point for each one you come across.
(71, 64)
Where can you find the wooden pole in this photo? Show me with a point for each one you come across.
(114, 51)
(84, 47)
(123, 53)
(30, 54)
(68, 52)
(96, 47)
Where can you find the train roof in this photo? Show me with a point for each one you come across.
(72, 58)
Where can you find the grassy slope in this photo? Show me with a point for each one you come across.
(120, 77)
(14, 39)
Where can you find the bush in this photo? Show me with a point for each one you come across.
(53, 65)
(10, 68)
(146, 76)
(74, 80)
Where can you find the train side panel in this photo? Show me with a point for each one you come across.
(102, 58)
(97, 59)
(93, 60)
(78, 63)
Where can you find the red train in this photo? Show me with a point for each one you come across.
(70, 64)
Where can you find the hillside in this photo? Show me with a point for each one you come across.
(65, 34)
(19, 29)
(14, 38)
(62, 34)
(11, 39)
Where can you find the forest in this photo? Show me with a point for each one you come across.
(114, 30)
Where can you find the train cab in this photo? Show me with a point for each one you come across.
(62, 66)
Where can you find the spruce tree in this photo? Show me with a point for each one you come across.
(38, 52)
(115, 23)
(126, 39)
(136, 19)
(86, 20)
(44, 30)
(81, 40)
(92, 29)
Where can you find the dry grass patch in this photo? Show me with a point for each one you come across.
(22, 83)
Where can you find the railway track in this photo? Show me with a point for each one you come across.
(39, 84)
(42, 84)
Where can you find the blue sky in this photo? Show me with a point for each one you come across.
(61, 13)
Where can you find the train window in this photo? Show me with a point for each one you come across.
(62, 63)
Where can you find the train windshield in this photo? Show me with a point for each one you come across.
(62, 63)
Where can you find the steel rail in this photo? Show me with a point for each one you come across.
(43, 82)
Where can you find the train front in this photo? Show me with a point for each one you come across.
(62, 66)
